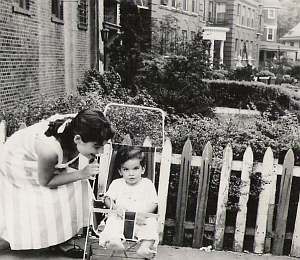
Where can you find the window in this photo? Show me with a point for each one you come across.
(193, 34)
(239, 10)
(185, 5)
(292, 44)
(184, 36)
(24, 4)
(57, 10)
(271, 13)
(194, 6)
(252, 19)
(22, 7)
(243, 15)
(164, 2)
(210, 11)
(163, 40)
(241, 48)
(270, 34)
(144, 4)
(248, 17)
(82, 14)
(173, 41)
(236, 45)
(220, 12)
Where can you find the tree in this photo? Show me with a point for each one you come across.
(125, 51)
(288, 17)
(176, 81)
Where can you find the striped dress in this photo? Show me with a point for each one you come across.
(33, 216)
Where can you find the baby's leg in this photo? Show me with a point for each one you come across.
(148, 235)
(146, 249)
(112, 235)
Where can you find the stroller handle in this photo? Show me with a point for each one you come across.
(163, 113)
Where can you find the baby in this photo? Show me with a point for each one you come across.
(131, 193)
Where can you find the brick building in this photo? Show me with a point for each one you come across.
(45, 47)
(270, 48)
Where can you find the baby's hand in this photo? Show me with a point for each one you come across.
(120, 212)
(140, 220)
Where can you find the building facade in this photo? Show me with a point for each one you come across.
(45, 47)
(271, 48)
(292, 40)
(230, 25)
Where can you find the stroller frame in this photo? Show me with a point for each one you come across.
(98, 207)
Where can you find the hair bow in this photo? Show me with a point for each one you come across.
(61, 129)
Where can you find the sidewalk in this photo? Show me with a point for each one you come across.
(164, 253)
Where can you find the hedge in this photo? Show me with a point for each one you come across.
(253, 95)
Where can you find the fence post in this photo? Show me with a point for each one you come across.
(295, 248)
(269, 178)
(163, 186)
(183, 189)
(223, 198)
(2, 131)
(242, 213)
(283, 203)
(271, 208)
(204, 177)
(127, 140)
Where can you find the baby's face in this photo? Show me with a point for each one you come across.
(132, 171)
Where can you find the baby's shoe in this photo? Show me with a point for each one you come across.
(146, 252)
(115, 244)
(102, 242)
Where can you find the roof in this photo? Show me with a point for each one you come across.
(271, 3)
(292, 34)
(275, 46)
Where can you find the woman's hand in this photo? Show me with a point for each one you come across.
(90, 171)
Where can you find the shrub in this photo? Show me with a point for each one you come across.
(244, 94)
(265, 73)
(108, 83)
(295, 72)
(174, 85)
(244, 73)
(219, 74)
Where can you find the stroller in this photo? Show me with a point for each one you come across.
(99, 212)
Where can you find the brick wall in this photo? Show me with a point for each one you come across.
(35, 52)
(19, 51)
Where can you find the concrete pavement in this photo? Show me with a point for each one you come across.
(164, 253)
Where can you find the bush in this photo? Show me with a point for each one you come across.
(265, 73)
(173, 85)
(244, 73)
(295, 72)
(219, 74)
(243, 94)
(108, 83)
(259, 133)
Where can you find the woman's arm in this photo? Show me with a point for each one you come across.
(51, 177)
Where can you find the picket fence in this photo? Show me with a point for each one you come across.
(267, 236)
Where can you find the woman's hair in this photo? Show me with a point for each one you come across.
(126, 153)
(90, 124)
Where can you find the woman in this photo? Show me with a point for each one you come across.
(44, 200)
